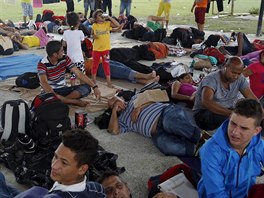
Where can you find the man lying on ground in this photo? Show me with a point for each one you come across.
(116, 187)
(165, 123)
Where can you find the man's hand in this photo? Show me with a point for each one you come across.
(97, 93)
(165, 195)
(119, 105)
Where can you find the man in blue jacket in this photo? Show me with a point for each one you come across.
(69, 165)
(232, 159)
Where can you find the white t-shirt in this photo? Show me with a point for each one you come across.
(73, 39)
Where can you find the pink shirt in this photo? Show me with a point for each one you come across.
(186, 89)
(256, 80)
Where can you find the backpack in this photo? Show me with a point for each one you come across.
(154, 181)
(87, 47)
(211, 51)
(15, 118)
(104, 161)
(130, 22)
(16, 124)
(28, 80)
(258, 44)
(212, 41)
(6, 45)
(47, 15)
(50, 119)
(184, 36)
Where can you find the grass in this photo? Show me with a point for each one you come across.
(180, 13)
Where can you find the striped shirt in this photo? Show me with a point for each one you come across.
(55, 73)
(145, 121)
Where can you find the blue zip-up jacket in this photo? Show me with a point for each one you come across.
(224, 173)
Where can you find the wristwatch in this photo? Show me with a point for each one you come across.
(94, 87)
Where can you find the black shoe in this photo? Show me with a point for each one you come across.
(28, 144)
(204, 137)
(233, 36)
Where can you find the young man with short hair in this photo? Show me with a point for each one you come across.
(52, 73)
(69, 165)
(116, 187)
(232, 159)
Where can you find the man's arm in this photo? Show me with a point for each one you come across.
(211, 105)
(247, 72)
(113, 126)
(88, 81)
(44, 84)
(193, 6)
(114, 23)
(247, 93)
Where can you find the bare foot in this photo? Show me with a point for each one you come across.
(156, 79)
(110, 85)
(151, 75)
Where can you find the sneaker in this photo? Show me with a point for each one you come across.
(31, 25)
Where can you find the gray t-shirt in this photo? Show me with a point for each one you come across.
(225, 97)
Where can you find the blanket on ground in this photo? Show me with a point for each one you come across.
(16, 65)
(93, 106)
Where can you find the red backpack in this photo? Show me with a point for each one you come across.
(47, 15)
(190, 174)
(258, 44)
(211, 51)
(87, 47)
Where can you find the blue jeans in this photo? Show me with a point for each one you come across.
(177, 133)
(84, 90)
(107, 4)
(119, 71)
(247, 47)
(6, 191)
(125, 6)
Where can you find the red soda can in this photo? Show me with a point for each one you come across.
(80, 119)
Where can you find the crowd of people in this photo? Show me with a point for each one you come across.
(173, 115)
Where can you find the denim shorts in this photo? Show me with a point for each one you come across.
(27, 9)
(84, 90)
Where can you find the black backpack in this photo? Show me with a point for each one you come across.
(50, 120)
(28, 80)
(130, 22)
(15, 119)
(16, 124)
(104, 161)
